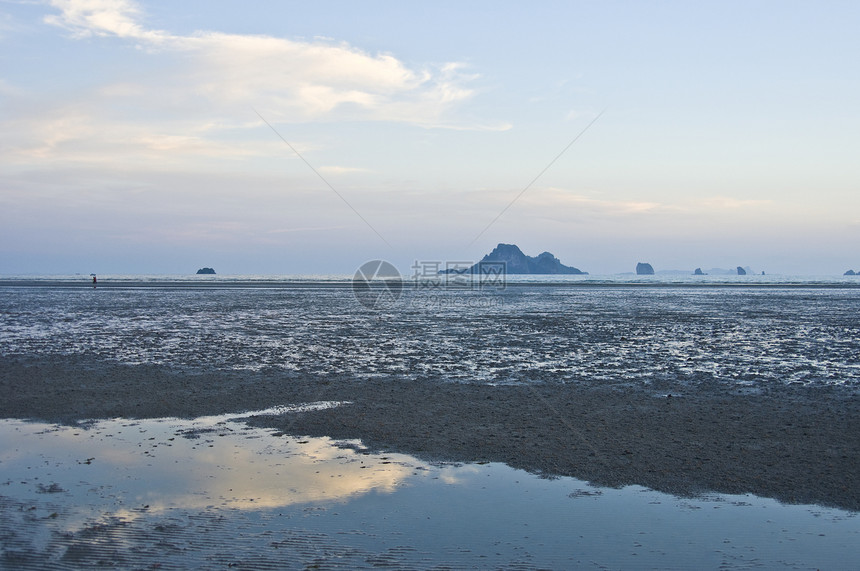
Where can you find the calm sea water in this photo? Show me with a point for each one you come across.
(749, 331)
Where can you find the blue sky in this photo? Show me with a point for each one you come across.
(130, 140)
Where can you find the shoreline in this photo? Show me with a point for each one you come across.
(793, 444)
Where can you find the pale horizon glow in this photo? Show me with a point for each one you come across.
(131, 144)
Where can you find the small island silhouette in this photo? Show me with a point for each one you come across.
(644, 269)
(206, 271)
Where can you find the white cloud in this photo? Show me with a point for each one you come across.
(195, 95)
(291, 80)
(561, 198)
(77, 134)
(336, 170)
(558, 198)
(100, 18)
(541, 209)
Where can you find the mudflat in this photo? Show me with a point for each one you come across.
(794, 444)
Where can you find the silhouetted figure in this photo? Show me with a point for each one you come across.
(95, 281)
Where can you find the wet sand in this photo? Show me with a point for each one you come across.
(794, 444)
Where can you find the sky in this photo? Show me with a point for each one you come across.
(309, 137)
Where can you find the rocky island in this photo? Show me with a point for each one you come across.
(206, 271)
(644, 269)
(516, 262)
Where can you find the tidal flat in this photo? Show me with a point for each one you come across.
(721, 401)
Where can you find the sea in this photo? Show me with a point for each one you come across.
(214, 492)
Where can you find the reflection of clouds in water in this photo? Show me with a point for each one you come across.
(319, 472)
(455, 474)
(120, 466)
(224, 499)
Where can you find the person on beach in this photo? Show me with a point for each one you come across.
(94, 281)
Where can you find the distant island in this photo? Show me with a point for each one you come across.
(516, 262)
(644, 269)
(205, 271)
(728, 272)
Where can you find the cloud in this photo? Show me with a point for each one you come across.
(291, 80)
(75, 133)
(562, 198)
(190, 98)
(85, 18)
(649, 214)
(336, 170)
(558, 198)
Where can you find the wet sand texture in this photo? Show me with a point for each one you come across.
(795, 444)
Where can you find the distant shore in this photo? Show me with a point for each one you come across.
(799, 445)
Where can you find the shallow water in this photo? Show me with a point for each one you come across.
(212, 492)
(672, 335)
